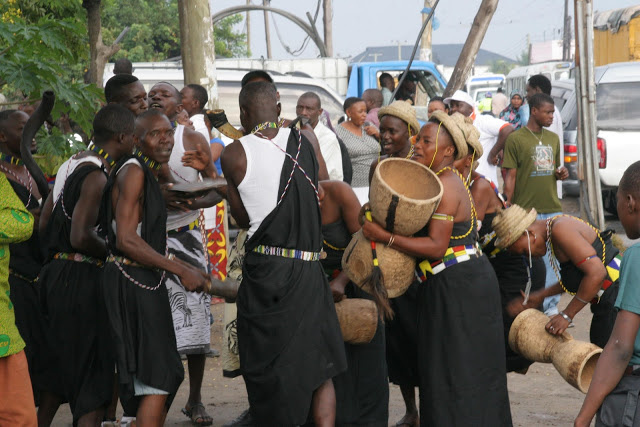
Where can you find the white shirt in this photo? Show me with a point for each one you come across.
(489, 128)
(198, 124)
(556, 127)
(259, 187)
(330, 149)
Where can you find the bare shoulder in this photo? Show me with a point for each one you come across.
(193, 139)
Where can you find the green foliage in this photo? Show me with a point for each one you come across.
(523, 58)
(33, 58)
(229, 44)
(500, 66)
(155, 30)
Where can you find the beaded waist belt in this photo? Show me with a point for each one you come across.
(124, 261)
(191, 226)
(77, 257)
(454, 255)
(613, 273)
(486, 240)
(22, 277)
(288, 253)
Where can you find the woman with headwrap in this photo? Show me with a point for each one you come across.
(511, 114)
(584, 259)
(461, 364)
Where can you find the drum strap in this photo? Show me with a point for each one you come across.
(391, 213)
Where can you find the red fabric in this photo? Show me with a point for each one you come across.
(217, 245)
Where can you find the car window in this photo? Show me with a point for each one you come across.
(289, 93)
(618, 101)
(569, 112)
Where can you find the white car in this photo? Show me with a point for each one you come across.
(290, 88)
(618, 124)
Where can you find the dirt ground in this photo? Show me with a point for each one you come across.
(539, 398)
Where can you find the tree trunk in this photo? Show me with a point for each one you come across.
(471, 46)
(198, 47)
(100, 53)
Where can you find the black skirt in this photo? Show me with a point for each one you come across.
(77, 336)
(461, 348)
(401, 339)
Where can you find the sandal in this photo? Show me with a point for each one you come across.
(199, 420)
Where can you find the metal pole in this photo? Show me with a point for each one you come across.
(327, 23)
(248, 20)
(590, 190)
(415, 48)
(425, 44)
(267, 32)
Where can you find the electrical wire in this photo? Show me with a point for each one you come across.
(305, 42)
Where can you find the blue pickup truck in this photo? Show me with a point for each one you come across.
(429, 81)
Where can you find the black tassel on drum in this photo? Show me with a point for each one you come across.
(376, 282)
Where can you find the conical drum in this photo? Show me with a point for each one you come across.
(574, 360)
(358, 318)
(397, 268)
(403, 195)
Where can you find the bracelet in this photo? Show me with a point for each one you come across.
(391, 239)
(171, 257)
(566, 317)
(580, 299)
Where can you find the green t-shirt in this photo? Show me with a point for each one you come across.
(629, 293)
(16, 225)
(535, 156)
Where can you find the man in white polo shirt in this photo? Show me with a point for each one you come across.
(491, 130)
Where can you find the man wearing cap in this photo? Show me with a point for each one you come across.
(492, 131)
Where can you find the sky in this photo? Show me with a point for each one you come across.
(358, 24)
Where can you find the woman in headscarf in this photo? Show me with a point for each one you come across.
(461, 364)
(516, 273)
(398, 126)
(511, 114)
(583, 258)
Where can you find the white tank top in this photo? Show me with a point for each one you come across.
(259, 187)
(181, 173)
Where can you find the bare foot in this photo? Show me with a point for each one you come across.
(410, 420)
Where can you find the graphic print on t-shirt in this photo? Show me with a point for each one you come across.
(543, 161)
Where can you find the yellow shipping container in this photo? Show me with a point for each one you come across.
(622, 45)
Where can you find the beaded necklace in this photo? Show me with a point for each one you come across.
(552, 256)
(29, 186)
(12, 160)
(473, 208)
(152, 164)
(330, 246)
(265, 125)
(102, 153)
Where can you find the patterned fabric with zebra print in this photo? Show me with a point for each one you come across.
(190, 310)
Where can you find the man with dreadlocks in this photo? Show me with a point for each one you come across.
(289, 338)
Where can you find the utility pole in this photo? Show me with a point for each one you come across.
(267, 32)
(566, 34)
(425, 42)
(198, 46)
(327, 24)
(248, 21)
(588, 170)
(470, 49)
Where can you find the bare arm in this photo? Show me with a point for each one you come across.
(198, 147)
(502, 138)
(510, 184)
(85, 216)
(436, 243)
(45, 213)
(130, 184)
(234, 167)
(611, 365)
